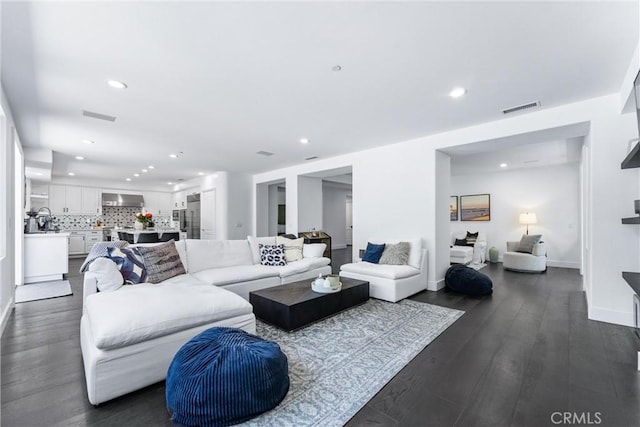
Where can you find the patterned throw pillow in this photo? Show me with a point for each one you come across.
(292, 248)
(528, 242)
(272, 255)
(396, 254)
(162, 261)
(130, 264)
(99, 250)
(471, 238)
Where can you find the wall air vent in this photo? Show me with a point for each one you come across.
(521, 107)
(98, 116)
(311, 158)
(264, 153)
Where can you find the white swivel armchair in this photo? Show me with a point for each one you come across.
(535, 262)
(467, 254)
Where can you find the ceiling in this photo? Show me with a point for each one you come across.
(218, 82)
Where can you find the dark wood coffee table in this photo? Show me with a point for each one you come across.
(295, 305)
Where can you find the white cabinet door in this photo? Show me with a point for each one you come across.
(208, 215)
(151, 202)
(77, 243)
(91, 201)
(74, 200)
(58, 199)
(164, 204)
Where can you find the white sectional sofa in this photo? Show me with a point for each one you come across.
(392, 282)
(129, 336)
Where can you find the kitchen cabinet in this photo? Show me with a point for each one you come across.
(45, 257)
(91, 238)
(91, 201)
(180, 200)
(164, 204)
(77, 245)
(72, 200)
(158, 203)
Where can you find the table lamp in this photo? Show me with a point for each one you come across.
(528, 218)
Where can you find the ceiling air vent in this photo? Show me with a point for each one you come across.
(98, 116)
(521, 107)
(311, 158)
(264, 153)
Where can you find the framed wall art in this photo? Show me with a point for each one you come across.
(475, 207)
(453, 208)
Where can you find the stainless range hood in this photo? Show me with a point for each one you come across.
(122, 200)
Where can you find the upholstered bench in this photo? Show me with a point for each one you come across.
(224, 376)
(466, 280)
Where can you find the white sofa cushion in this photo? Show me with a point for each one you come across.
(236, 274)
(254, 245)
(206, 254)
(305, 264)
(292, 248)
(415, 254)
(108, 277)
(182, 252)
(381, 270)
(139, 313)
(313, 250)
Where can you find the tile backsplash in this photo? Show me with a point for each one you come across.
(111, 217)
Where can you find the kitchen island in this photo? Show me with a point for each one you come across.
(46, 256)
(135, 234)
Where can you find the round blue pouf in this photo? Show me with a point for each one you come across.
(224, 376)
(466, 280)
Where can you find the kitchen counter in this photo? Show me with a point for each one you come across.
(45, 256)
(136, 233)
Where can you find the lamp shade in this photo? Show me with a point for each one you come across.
(528, 218)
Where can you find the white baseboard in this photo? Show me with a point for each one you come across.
(344, 246)
(435, 285)
(6, 314)
(563, 264)
(624, 318)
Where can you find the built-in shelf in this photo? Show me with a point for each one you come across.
(633, 279)
(633, 158)
(634, 220)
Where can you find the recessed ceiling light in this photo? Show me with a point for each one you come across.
(88, 141)
(128, 179)
(79, 158)
(304, 140)
(336, 68)
(151, 167)
(71, 174)
(144, 171)
(457, 92)
(503, 165)
(173, 156)
(136, 174)
(200, 173)
(117, 84)
(170, 183)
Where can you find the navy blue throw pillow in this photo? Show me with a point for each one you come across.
(373, 253)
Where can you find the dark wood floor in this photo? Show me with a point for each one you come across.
(514, 358)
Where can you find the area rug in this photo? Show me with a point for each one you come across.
(477, 266)
(337, 365)
(43, 290)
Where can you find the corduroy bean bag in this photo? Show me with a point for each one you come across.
(466, 280)
(224, 376)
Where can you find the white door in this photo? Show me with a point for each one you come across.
(208, 215)
(349, 208)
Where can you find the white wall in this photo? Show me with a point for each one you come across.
(552, 192)
(238, 203)
(8, 219)
(309, 204)
(334, 212)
